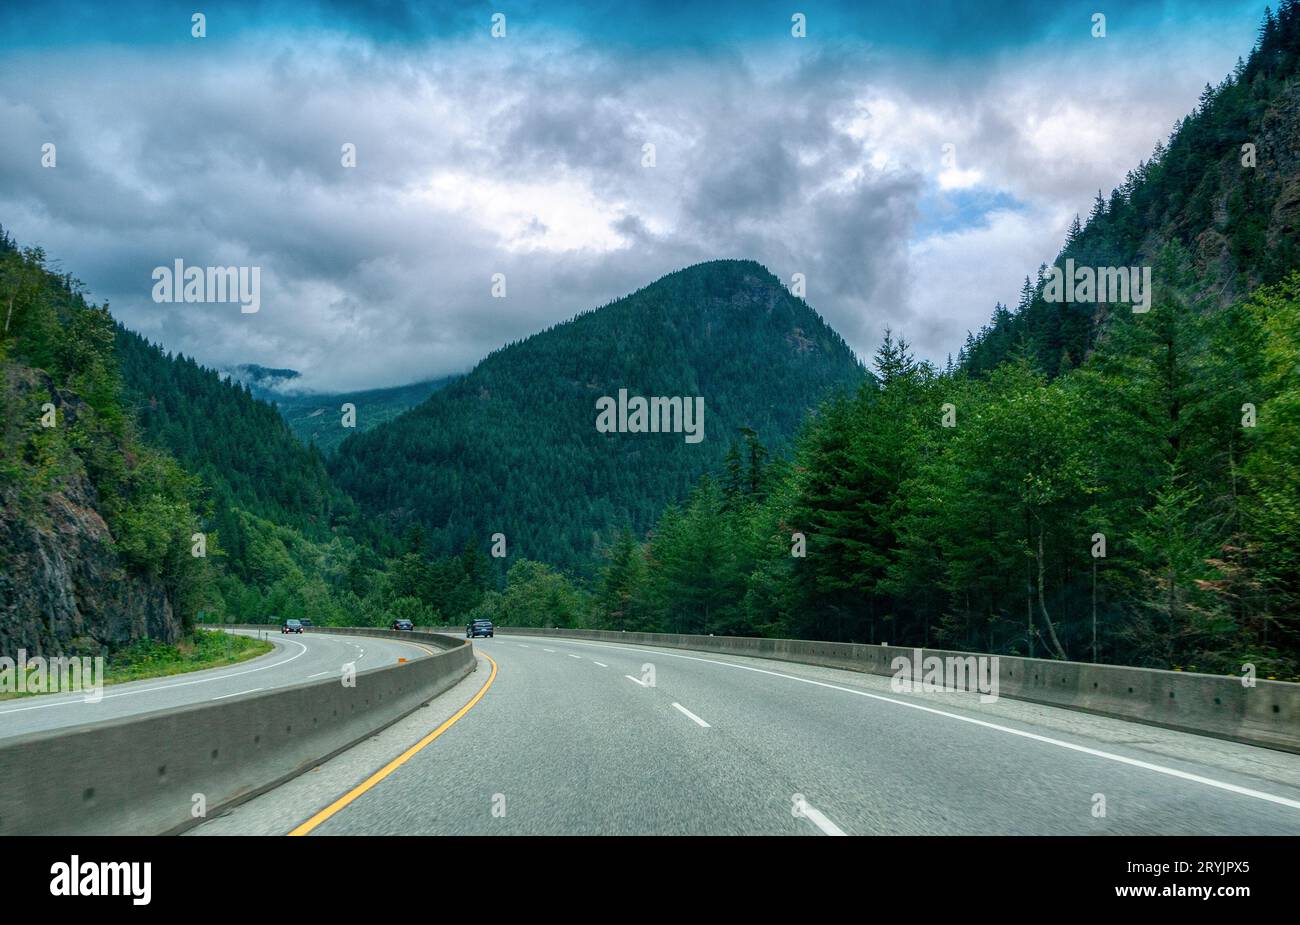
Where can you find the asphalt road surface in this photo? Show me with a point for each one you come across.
(296, 658)
(557, 736)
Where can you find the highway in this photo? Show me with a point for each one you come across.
(557, 736)
(296, 658)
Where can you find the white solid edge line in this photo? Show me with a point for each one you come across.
(250, 691)
(636, 680)
(1095, 752)
(688, 713)
(165, 687)
(818, 818)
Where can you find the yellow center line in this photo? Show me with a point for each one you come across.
(397, 762)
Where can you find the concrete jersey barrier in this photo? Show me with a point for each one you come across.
(144, 775)
(1267, 714)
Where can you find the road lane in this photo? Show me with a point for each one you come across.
(942, 764)
(296, 658)
(564, 744)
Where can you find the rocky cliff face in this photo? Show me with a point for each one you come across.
(1273, 193)
(63, 588)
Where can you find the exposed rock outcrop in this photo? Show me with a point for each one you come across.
(63, 588)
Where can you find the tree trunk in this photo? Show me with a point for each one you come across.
(1094, 611)
(1042, 606)
(1029, 607)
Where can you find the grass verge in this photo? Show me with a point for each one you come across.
(148, 658)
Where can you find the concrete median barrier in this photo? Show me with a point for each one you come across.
(163, 772)
(1266, 714)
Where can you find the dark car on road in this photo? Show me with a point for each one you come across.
(291, 626)
(403, 625)
(479, 628)
(305, 622)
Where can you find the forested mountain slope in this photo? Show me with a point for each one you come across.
(238, 444)
(1225, 187)
(513, 446)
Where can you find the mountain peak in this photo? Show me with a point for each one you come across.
(514, 446)
(711, 279)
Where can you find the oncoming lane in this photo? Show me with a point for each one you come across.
(296, 658)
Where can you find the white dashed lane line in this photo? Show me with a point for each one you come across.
(818, 818)
(636, 680)
(688, 713)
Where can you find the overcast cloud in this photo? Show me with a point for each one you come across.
(523, 156)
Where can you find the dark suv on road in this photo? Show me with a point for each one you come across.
(479, 628)
(403, 625)
(291, 626)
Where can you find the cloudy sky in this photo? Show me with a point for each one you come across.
(524, 155)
